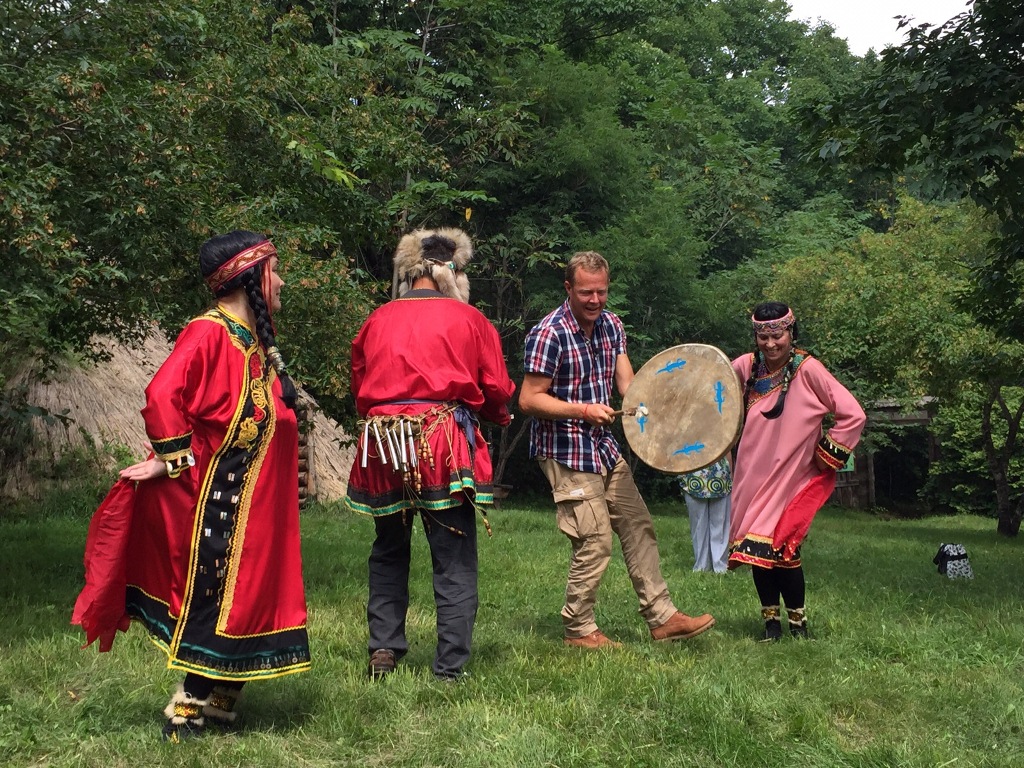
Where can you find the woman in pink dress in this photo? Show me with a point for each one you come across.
(786, 462)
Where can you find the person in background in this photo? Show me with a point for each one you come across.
(785, 463)
(573, 358)
(199, 543)
(706, 492)
(426, 367)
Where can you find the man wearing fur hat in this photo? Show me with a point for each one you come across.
(425, 367)
(573, 358)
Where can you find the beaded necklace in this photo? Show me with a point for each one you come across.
(763, 382)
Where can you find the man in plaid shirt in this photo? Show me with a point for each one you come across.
(572, 357)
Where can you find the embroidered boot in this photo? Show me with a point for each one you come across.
(220, 710)
(772, 624)
(798, 623)
(184, 715)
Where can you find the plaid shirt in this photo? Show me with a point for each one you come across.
(581, 371)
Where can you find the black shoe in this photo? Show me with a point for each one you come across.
(452, 677)
(772, 632)
(382, 663)
(179, 732)
(799, 631)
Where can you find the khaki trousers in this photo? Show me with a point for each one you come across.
(590, 508)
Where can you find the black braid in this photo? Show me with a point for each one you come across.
(265, 330)
(775, 412)
(750, 384)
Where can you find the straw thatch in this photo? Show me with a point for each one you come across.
(103, 403)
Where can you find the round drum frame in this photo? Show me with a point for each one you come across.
(684, 409)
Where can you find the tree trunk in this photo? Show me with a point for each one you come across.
(506, 445)
(1009, 525)
(1008, 514)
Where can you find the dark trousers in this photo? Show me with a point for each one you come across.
(201, 687)
(770, 583)
(451, 535)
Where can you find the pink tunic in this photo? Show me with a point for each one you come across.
(778, 487)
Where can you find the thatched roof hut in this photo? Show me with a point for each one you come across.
(103, 402)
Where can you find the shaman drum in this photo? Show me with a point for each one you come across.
(684, 409)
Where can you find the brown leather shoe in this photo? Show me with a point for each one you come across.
(680, 626)
(382, 663)
(595, 639)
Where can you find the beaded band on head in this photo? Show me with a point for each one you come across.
(239, 263)
(783, 323)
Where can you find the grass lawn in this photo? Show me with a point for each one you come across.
(908, 668)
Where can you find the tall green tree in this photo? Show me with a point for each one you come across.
(657, 132)
(944, 108)
(132, 132)
(883, 312)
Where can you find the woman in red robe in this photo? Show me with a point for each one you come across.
(200, 542)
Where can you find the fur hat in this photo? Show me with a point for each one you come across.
(440, 254)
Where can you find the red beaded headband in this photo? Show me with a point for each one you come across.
(240, 262)
(779, 324)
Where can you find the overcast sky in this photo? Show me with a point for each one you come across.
(870, 23)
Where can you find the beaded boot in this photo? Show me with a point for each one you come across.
(798, 623)
(772, 624)
(184, 715)
(220, 710)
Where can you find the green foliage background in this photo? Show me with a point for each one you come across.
(683, 139)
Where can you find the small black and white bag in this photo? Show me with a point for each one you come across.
(952, 561)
